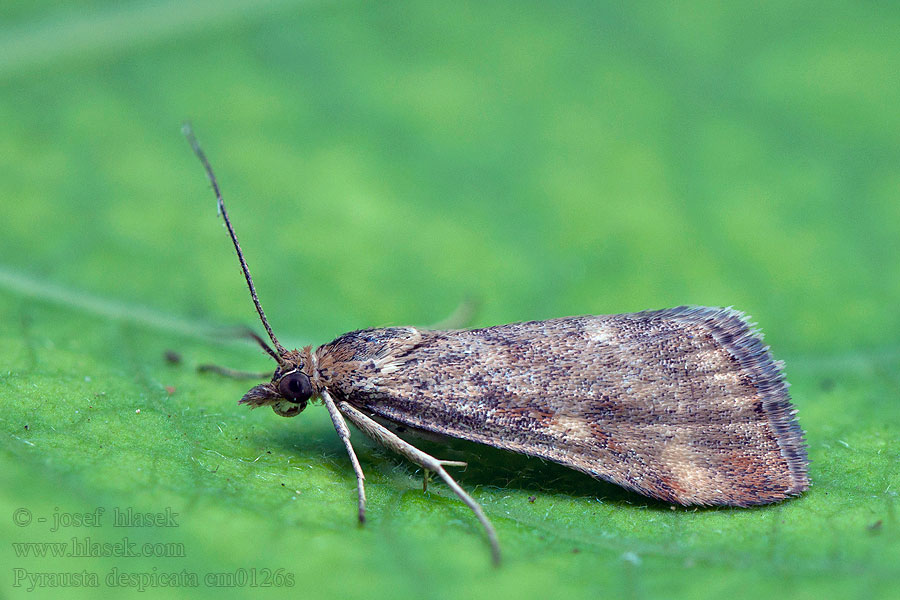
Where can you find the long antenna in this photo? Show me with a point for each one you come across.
(189, 134)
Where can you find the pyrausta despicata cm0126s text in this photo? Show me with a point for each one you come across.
(685, 405)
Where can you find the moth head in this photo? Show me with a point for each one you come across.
(288, 393)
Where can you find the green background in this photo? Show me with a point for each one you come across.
(382, 162)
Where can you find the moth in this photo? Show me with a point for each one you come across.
(684, 405)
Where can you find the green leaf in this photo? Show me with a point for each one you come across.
(382, 163)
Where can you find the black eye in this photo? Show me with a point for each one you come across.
(295, 387)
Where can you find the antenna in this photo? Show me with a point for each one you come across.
(189, 134)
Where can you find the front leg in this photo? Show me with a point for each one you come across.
(344, 433)
(390, 440)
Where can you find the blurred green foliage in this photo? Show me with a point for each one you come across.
(382, 162)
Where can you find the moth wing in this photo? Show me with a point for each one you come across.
(685, 405)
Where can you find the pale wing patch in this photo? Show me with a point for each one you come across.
(388, 367)
(711, 360)
(601, 333)
(687, 467)
(570, 426)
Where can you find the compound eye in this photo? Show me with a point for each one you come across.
(295, 387)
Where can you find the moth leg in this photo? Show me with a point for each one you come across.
(233, 373)
(390, 440)
(244, 332)
(459, 318)
(344, 433)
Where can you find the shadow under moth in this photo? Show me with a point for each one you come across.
(685, 405)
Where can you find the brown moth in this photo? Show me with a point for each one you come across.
(685, 405)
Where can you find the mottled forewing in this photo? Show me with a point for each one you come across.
(685, 405)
